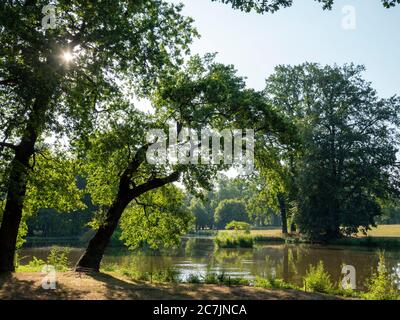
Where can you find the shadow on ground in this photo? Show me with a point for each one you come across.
(101, 286)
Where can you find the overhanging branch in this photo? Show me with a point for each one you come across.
(7, 145)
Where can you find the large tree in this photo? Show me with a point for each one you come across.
(203, 94)
(348, 165)
(56, 80)
(229, 210)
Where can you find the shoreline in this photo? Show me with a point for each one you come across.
(111, 286)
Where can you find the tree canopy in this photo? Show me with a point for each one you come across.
(348, 163)
(261, 6)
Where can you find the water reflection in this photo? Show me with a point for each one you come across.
(289, 262)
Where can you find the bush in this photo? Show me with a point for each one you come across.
(58, 258)
(273, 283)
(193, 278)
(238, 226)
(233, 240)
(169, 275)
(381, 286)
(222, 279)
(317, 279)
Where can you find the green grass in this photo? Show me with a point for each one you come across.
(273, 283)
(384, 236)
(235, 239)
(384, 230)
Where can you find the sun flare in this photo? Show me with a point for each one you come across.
(67, 56)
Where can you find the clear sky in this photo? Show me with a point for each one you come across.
(256, 43)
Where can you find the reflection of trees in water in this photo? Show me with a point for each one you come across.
(289, 262)
(279, 261)
(233, 257)
(198, 247)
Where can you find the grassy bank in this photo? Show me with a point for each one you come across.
(384, 236)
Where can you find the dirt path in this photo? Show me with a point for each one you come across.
(72, 285)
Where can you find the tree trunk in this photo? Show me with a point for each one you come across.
(282, 207)
(16, 188)
(90, 260)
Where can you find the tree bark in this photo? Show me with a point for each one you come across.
(91, 259)
(16, 188)
(282, 207)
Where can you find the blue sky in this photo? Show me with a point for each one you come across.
(255, 43)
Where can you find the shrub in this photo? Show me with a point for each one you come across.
(213, 278)
(168, 275)
(381, 286)
(238, 226)
(233, 240)
(58, 258)
(317, 279)
(273, 283)
(222, 279)
(193, 278)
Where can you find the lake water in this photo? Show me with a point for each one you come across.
(289, 262)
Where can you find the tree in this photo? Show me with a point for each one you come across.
(203, 218)
(230, 210)
(348, 165)
(203, 93)
(57, 80)
(238, 226)
(261, 6)
(51, 184)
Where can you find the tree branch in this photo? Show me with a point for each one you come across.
(154, 184)
(8, 145)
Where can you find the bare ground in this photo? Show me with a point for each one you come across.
(79, 286)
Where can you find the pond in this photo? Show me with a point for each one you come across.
(199, 256)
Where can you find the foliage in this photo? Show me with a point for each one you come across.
(381, 285)
(238, 226)
(157, 219)
(390, 215)
(162, 276)
(53, 184)
(230, 210)
(116, 48)
(56, 257)
(317, 279)
(262, 6)
(235, 239)
(273, 283)
(204, 217)
(222, 279)
(347, 166)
